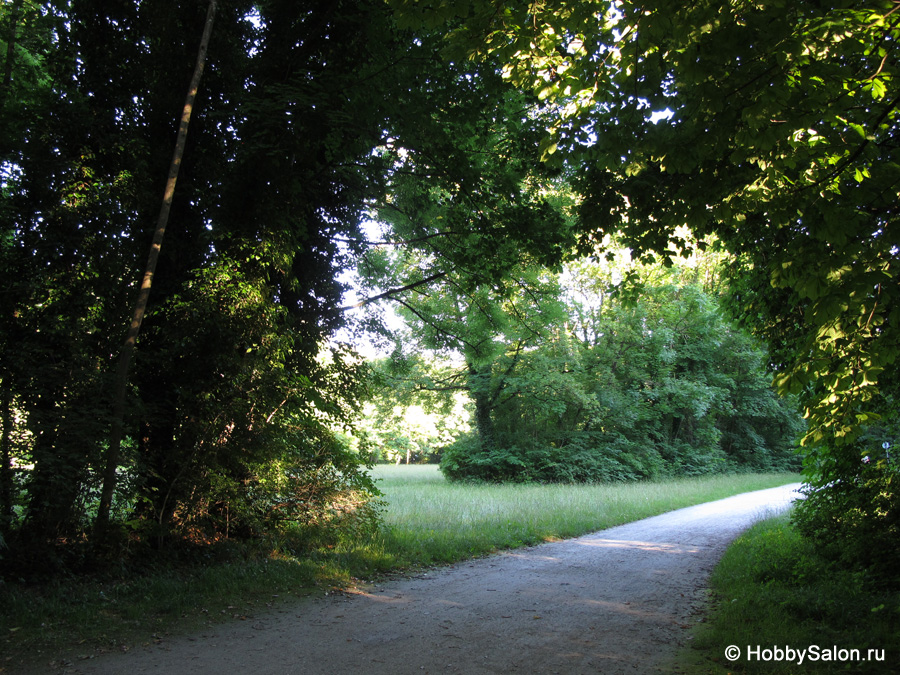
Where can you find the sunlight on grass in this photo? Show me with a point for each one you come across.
(427, 521)
(430, 520)
(772, 588)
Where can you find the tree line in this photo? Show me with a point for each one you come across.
(494, 141)
(585, 385)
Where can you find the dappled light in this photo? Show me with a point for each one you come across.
(649, 546)
(617, 259)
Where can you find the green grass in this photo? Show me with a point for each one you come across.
(427, 521)
(69, 619)
(771, 589)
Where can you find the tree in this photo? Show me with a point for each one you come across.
(484, 332)
(25, 80)
(237, 386)
(297, 134)
(64, 208)
(228, 421)
(787, 112)
(631, 389)
(782, 142)
(121, 381)
(469, 220)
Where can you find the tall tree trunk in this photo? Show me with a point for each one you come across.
(59, 467)
(484, 398)
(6, 480)
(484, 422)
(6, 83)
(121, 380)
(485, 388)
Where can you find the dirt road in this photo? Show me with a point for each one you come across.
(616, 601)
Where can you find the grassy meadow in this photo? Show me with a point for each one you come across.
(426, 521)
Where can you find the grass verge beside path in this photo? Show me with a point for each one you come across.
(772, 592)
(427, 521)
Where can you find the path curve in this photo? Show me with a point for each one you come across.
(615, 601)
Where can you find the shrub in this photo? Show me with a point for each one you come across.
(588, 458)
(856, 520)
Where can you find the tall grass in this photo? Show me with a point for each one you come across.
(426, 521)
(429, 520)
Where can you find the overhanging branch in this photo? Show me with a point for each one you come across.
(395, 291)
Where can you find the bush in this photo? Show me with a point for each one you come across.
(856, 520)
(775, 586)
(589, 458)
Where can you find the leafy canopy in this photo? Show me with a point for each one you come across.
(781, 142)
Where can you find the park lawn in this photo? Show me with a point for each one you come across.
(429, 520)
(426, 521)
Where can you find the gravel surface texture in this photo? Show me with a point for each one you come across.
(620, 600)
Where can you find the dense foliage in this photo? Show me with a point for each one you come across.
(237, 392)
(661, 387)
(493, 141)
(570, 379)
(230, 414)
(782, 141)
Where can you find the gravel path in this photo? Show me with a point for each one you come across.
(616, 601)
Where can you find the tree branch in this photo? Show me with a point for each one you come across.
(395, 291)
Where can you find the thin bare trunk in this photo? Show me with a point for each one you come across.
(121, 381)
